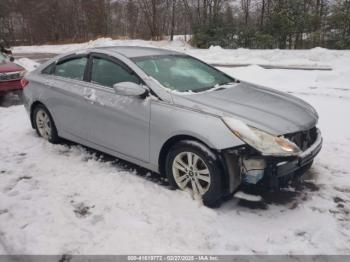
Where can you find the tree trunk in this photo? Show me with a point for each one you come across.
(262, 13)
(172, 20)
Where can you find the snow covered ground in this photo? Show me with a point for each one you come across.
(68, 199)
(26, 63)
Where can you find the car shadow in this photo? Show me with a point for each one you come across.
(120, 163)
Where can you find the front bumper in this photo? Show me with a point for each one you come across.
(286, 167)
(278, 171)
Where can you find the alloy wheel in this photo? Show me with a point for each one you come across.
(43, 124)
(191, 172)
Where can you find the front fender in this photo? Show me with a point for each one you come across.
(169, 120)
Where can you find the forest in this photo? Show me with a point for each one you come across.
(258, 24)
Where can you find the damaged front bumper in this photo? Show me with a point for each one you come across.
(243, 166)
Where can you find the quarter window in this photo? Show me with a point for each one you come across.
(49, 69)
(108, 73)
(73, 68)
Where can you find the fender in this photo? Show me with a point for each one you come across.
(168, 120)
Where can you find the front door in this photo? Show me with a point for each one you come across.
(119, 123)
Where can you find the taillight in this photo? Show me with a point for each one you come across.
(24, 82)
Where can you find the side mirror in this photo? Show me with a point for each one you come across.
(11, 58)
(130, 89)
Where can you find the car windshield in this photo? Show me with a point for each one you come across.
(182, 73)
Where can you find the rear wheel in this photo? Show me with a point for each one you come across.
(191, 166)
(44, 124)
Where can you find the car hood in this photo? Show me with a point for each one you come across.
(6, 66)
(264, 108)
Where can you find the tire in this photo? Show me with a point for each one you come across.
(44, 124)
(203, 178)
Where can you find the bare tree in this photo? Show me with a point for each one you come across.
(172, 20)
(150, 10)
(245, 5)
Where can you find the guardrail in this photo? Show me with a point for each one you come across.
(290, 67)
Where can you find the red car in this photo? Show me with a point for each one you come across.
(11, 75)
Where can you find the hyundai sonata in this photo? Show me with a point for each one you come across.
(207, 132)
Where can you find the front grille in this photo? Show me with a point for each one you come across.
(303, 139)
(9, 76)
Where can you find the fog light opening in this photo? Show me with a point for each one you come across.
(253, 170)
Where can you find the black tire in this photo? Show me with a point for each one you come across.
(54, 138)
(213, 196)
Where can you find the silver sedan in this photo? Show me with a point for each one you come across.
(207, 132)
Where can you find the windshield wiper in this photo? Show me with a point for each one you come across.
(202, 89)
(216, 87)
(227, 84)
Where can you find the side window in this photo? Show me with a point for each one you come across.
(107, 73)
(49, 69)
(73, 68)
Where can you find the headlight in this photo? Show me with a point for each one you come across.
(16, 74)
(264, 142)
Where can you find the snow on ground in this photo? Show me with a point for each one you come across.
(64, 199)
(68, 199)
(27, 64)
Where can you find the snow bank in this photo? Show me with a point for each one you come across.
(319, 57)
(177, 44)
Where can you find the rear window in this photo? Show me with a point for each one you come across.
(73, 68)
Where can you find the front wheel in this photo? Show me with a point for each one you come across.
(191, 166)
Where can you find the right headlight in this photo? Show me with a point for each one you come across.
(262, 141)
(20, 73)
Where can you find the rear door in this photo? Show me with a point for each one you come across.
(67, 95)
(119, 123)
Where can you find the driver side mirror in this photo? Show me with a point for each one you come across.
(130, 89)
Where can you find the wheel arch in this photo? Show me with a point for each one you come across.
(171, 142)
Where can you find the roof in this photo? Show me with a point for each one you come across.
(138, 51)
